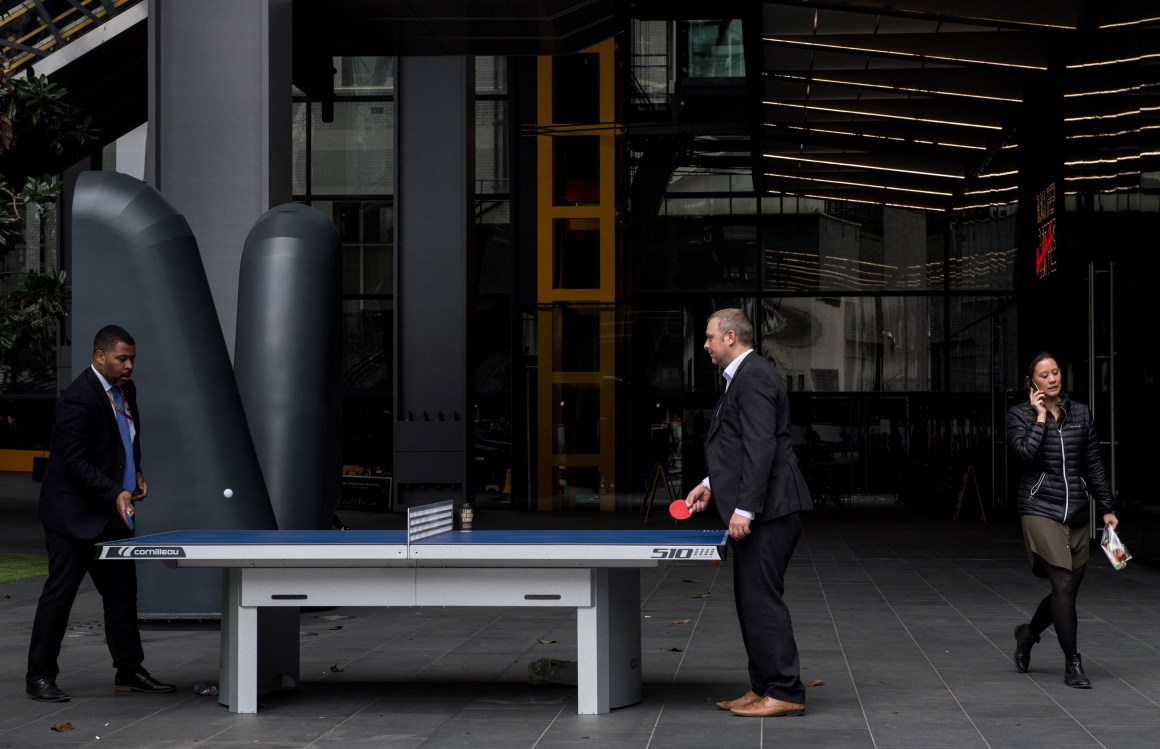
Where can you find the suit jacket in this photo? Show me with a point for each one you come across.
(78, 495)
(751, 462)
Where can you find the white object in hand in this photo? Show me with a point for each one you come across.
(228, 493)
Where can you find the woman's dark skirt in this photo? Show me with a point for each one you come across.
(1052, 542)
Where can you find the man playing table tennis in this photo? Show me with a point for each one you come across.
(91, 483)
(760, 492)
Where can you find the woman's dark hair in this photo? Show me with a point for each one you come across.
(1031, 366)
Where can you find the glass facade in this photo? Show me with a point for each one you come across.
(879, 319)
(344, 166)
(897, 331)
(716, 49)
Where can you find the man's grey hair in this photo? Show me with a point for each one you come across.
(734, 319)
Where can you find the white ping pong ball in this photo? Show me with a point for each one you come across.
(228, 493)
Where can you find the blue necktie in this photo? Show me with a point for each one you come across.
(129, 480)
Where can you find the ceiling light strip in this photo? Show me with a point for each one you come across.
(899, 53)
(895, 138)
(855, 165)
(1133, 22)
(1119, 61)
(837, 110)
(885, 87)
(849, 183)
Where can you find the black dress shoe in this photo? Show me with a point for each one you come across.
(1073, 674)
(1023, 642)
(140, 681)
(45, 690)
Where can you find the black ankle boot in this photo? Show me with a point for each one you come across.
(1023, 642)
(1073, 674)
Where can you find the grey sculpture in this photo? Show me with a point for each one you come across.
(288, 361)
(136, 264)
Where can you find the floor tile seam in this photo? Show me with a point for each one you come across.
(667, 571)
(846, 660)
(451, 650)
(340, 724)
(696, 623)
(1047, 694)
(1093, 660)
(420, 628)
(548, 728)
(809, 546)
(927, 658)
(918, 538)
(449, 719)
(1068, 713)
(1122, 680)
(105, 737)
(1111, 625)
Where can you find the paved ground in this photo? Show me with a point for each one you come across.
(908, 622)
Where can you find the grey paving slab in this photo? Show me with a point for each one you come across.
(909, 627)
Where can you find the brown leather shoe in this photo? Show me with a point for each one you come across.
(769, 707)
(746, 699)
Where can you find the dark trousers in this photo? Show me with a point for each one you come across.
(759, 565)
(69, 560)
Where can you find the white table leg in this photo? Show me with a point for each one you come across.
(608, 643)
(238, 677)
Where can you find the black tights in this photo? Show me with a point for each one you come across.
(1058, 607)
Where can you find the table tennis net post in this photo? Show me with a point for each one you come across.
(424, 521)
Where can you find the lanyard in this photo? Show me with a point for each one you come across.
(124, 411)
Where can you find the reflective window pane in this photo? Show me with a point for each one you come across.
(870, 249)
(368, 330)
(699, 253)
(575, 253)
(716, 49)
(298, 127)
(981, 345)
(127, 154)
(844, 344)
(364, 76)
(491, 147)
(490, 74)
(366, 228)
(353, 154)
(983, 254)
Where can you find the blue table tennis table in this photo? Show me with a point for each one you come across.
(430, 564)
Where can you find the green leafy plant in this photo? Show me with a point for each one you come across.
(40, 134)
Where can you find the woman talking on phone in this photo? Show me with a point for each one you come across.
(1055, 440)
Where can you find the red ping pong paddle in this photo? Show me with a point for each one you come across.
(679, 510)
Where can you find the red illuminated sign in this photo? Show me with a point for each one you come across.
(1045, 227)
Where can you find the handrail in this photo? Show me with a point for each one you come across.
(49, 32)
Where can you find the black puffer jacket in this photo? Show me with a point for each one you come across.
(1061, 462)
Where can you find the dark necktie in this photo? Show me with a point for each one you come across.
(129, 480)
(721, 400)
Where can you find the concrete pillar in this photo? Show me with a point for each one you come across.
(219, 144)
(434, 212)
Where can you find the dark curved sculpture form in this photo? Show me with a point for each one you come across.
(136, 264)
(287, 360)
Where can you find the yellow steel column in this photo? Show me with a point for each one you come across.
(556, 299)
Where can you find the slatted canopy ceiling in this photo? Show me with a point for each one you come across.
(921, 102)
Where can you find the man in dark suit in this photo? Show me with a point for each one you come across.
(88, 493)
(760, 493)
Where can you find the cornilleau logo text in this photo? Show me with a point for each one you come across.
(150, 552)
